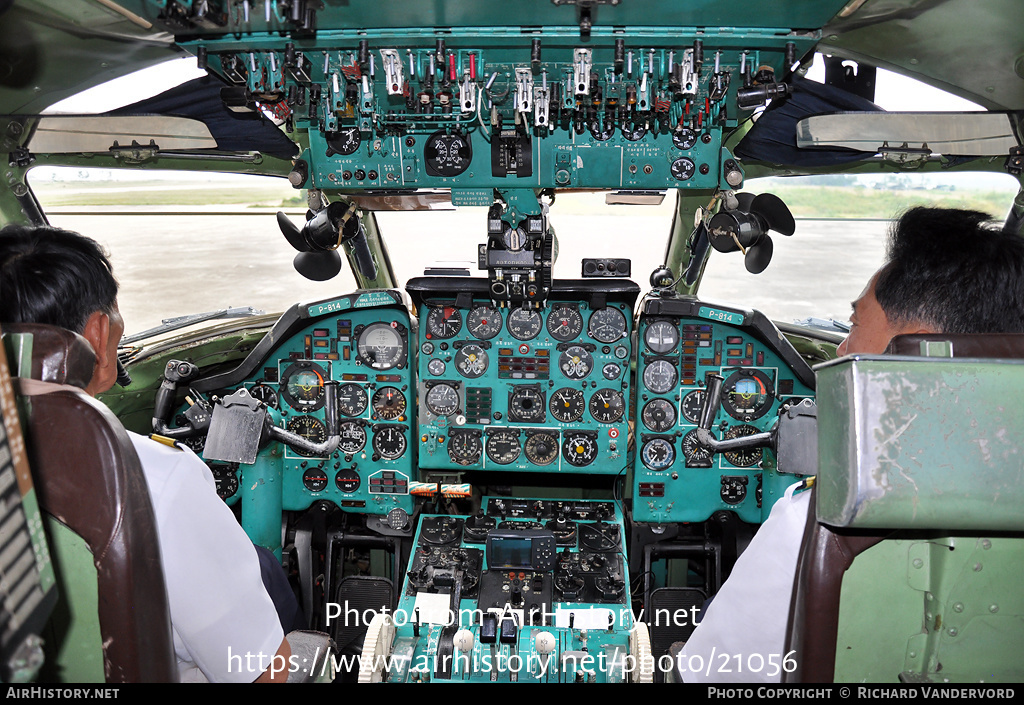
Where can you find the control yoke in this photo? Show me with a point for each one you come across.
(712, 401)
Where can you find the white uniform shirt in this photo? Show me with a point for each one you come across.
(222, 618)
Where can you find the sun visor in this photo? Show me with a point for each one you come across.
(199, 99)
(772, 139)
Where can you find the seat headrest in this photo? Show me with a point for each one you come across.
(58, 355)
(1006, 346)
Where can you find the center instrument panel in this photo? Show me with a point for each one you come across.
(675, 478)
(518, 389)
(527, 590)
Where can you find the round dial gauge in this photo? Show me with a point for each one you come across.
(352, 399)
(579, 449)
(696, 455)
(611, 371)
(389, 441)
(447, 155)
(345, 141)
(443, 322)
(524, 324)
(607, 325)
(380, 346)
(471, 361)
(576, 362)
(526, 404)
(747, 394)
(658, 454)
(302, 386)
(541, 448)
(267, 395)
(310, 428)
(567, 404)
(464, 447)
(484, 322)
(660, 376)
(314, 479)
(503, 446)
(436, 367)
(607, 405)
(565, 323)
(353, 438)
(683, 169)
(744, 457)
(661, 337)
(225, 477)
(658, 415)
(692, 404)
(388, 403)
(442, 400)
(684, 138)
(347, 481)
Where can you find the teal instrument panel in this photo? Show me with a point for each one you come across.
(675, 478)
(518, 389)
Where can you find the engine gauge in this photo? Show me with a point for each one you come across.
(436, 367)
(314, 479)
(526, 403)
(607, 325)
(503, 446)
(745, 457)
(388, 403)
(611, 371)
(607, 405)
(347, 480)
(447, 154)
(683, 169)
(692, 404)
(266, 394)
(471, 361)
(658, 415)
(695, 454)
(302, 386)
(660, 376)
(442, 400)
(684, 138)
(541, 448)
(443, 322)
(747, 394)
(579, 449)
(464, 447)
(484, 322)
(389, 441)
(565, 323)
(567, 404)
(661, 337)
(658, 454)
(345, 141)
(352, 399)
(310, 428)
(353, 438)
(524, 323)
(576, 362)
(380, 346)
(225, 476)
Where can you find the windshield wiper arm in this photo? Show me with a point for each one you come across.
(169, 324)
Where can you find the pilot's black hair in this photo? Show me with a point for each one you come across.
(954, 270)
(54, 276)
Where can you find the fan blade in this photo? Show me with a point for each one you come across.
(745, 198)
(318, 266)
(775, 213)
(291, 232)
(758, 256)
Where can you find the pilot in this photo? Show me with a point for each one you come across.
(947, 271)
(222, 618)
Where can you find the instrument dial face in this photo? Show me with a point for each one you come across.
(484, 322)
(464, 447)
(226, 479)
(353, 438)
(314, 479)
(607, 325)
(576, 362)
(611, 371)
(683, 169)
(541, 448)
(579, 449)
(524, 324)
(310, 428)
(388, 403)
(389, 441)
(658, 415)
(503, 446)
(747, 394)
(302, 386)
(696, 455)
(352, 399)
(692, 404)
(436, 367)
(266, 394)
(607, 405)
(443, 322)
(447, 155)
(471, 361)
(684, 138)
(661, 337)
(380, 346)
(567, 404)
(744, 457)
(660, 376)
(526, 404)
(443, 400)
(347, 481)
(345, 141)
(565, 323)
(658, 454)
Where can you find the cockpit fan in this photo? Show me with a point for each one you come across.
(319, 239)
(746, 227)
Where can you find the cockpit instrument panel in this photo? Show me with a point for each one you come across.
(676, 478)
(543, 390)
(361, 343)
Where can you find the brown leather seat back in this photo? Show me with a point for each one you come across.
(88, 477)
